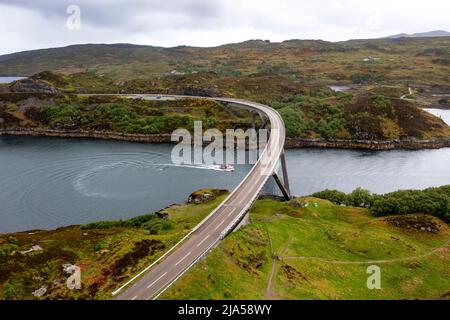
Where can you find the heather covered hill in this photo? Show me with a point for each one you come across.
(312, 249)
(50, 100)
(403, 60)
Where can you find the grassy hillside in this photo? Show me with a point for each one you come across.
(108, 253)
(433, 201)
(322, 252)
(287, 252)
(310, 111)
(115, 114)
(389, 60)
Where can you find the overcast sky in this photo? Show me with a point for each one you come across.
(35, 24)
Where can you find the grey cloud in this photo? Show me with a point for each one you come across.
(29, 24)
(122, 14)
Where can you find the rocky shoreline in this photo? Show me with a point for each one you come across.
(291, 143)
(100, 135)
(410, 144)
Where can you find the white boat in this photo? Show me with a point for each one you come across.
(224, 167)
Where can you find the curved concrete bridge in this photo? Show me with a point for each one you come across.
(156, 278)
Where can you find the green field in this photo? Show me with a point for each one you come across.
(401, 61)
(287, 252)
(109, 253)
(322, 252)
(388, 81)
(308, 112)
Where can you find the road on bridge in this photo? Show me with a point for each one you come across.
(159, 276)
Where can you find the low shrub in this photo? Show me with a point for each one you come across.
(432, 201)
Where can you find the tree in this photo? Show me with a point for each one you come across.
(359, 198)
(334, 196)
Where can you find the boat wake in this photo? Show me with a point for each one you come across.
(222, 168)
(100, 181)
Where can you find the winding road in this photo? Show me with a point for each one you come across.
(156, 278)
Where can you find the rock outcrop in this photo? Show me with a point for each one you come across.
(291, 143)
(35, 132)
(203, 196)
(199, 92)
(32, 86)
(410, 144)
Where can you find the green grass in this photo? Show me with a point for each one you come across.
(107, 257)
(374, 112)
(321, 253)
(400, 60)
(120, 115)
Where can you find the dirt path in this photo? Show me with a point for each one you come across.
(385, 261)
(270, 294)
(403, 97)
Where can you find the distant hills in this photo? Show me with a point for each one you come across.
(307, 61)
(430, 34)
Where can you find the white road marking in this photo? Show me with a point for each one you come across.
(204, 239)
(231, 212)
(183, 258)
(134, 298)
(219, 225)
(251, 190)
(243, 191)
(156, 280)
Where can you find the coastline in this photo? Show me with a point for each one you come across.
(98, 135)
(291, 143)
(161, 214)
(410, 144)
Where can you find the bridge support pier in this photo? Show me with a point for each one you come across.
(244, 222)
(265, 123)
(264, 120)
(254, 115)
(285, 173)
(283, 184)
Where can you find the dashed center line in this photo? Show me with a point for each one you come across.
(245, 198)
(204, 239)
(183, 258)
(231, 212)
(219, 225)
(234, 206)
(159, 278)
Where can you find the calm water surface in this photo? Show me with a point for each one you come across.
(47, 183)
(443, 114)
(9, 79)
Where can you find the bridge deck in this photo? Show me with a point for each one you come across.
(224, 218)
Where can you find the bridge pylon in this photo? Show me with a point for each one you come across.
(283, 180)
(283, 183)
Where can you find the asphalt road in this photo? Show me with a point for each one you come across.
(152, 282)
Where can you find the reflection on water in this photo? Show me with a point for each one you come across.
(46, 183)
(443, 114)
(9, 79)
(381, 172)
